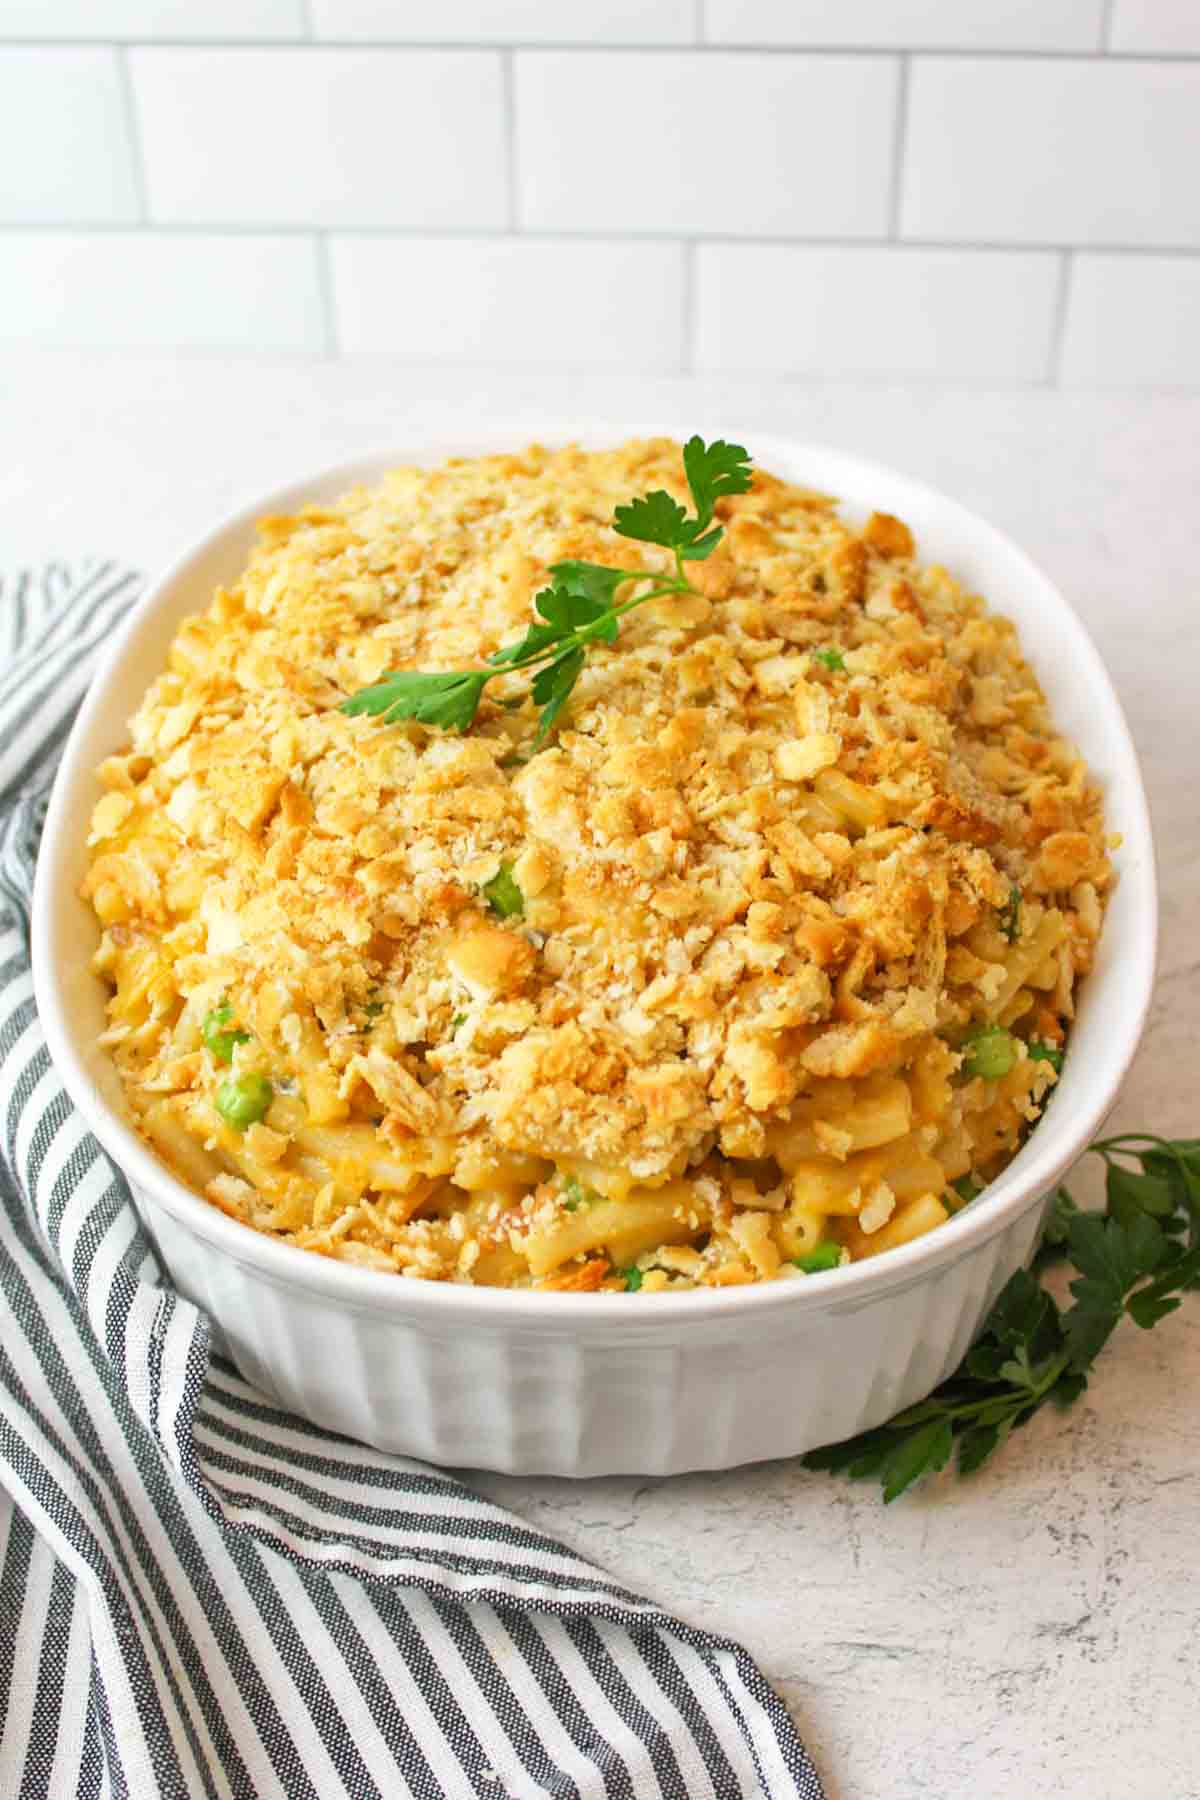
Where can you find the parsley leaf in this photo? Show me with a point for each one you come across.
(592, 581)
(568, 612)
(831, 659)
(1057, 1229)
(699, 549)
(926, 1451)
(538, 638)
(1129, 1262)
(1128, 1194)
(450, 700)
(632, 1277)
(552, 689)
(655, 519)
(714, 470)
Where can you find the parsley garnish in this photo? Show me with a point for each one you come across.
(578, 609)
(1039, 1052)
(446, 700)
(632, 1278)
(502, 893)
(1137, 1257)
(831, 659)
(1010, 916)
(1056, 1230)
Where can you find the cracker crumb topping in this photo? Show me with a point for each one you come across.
(749, 880)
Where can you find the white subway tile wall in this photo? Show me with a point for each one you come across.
(700, 142)
(1159, 295)
(322, 137)
(155, 20)
(506, 21)
(1156, 27)
(964, 190)
(121, 290)
(1053, 151)
(909, 24)
(65, 152)
(957, 314)
(510, 301)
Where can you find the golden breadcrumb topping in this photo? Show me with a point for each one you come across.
(799, 838)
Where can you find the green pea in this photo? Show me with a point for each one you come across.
(1039, 1052)
(826, 1256)
(575, 1194)
(990, 1052)
(216, 1035)
(502, 893)
(243, 1100)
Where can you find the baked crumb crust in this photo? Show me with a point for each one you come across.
(765, 898)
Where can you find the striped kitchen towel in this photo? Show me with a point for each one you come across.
(203, 1595)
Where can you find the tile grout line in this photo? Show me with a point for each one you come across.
(1106, 26)
(687, 359)
(508, 83)
(788, 378)
(325, 289)
(1058, 331)
(815, 52)
(168, 228)
(133, 131)
(899, 147)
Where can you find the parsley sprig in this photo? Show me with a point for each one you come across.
(579, 608)
(1136, 1258)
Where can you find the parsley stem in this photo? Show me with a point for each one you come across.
(670, 587)
(1126, 1141)
(584, 634)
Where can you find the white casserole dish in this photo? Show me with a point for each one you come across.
(589, 1384)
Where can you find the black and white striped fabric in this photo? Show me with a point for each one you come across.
(203, 1595)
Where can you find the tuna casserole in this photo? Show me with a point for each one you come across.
(764, 961)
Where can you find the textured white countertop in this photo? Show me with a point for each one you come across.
(1033, 1632)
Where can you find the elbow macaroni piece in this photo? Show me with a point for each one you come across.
(766, 895)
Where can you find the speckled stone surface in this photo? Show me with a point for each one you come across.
(1036, 1631)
